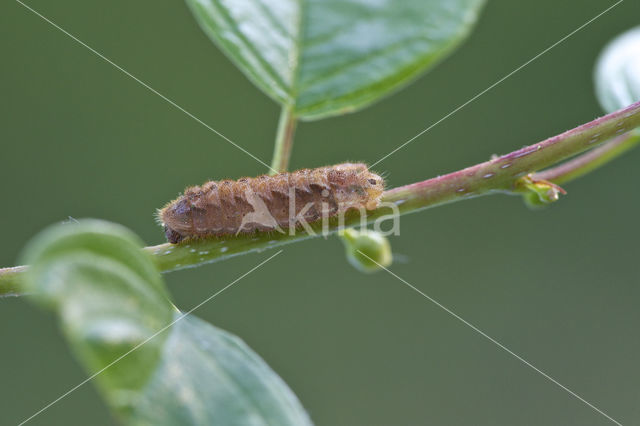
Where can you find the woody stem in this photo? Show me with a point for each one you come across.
(500, 175)
(591, 160)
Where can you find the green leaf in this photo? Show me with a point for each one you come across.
(208, 376)
(617, 74)
(113, 306)
(328, 57)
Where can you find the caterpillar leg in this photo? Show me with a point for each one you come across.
(172, 236)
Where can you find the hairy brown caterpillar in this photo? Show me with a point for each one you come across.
(267, 203)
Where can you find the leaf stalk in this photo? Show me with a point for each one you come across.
(284, 141)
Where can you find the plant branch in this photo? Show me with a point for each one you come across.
(499, 175)
(284, 141)
(591, 160)
(10, 281)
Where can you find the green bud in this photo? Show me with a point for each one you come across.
(539, 193)
(368, 251)
(533, 201)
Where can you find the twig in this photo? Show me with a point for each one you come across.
(499, 175)
(591, 160)
(10, 281)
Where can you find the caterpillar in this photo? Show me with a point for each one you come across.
(267, 203)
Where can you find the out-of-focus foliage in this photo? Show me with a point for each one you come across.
(153, 364)
(617, 74)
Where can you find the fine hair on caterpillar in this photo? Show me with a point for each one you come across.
(285, 201)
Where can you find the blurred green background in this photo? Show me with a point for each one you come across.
(558, 287)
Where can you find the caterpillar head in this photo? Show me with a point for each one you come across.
(356, 186)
